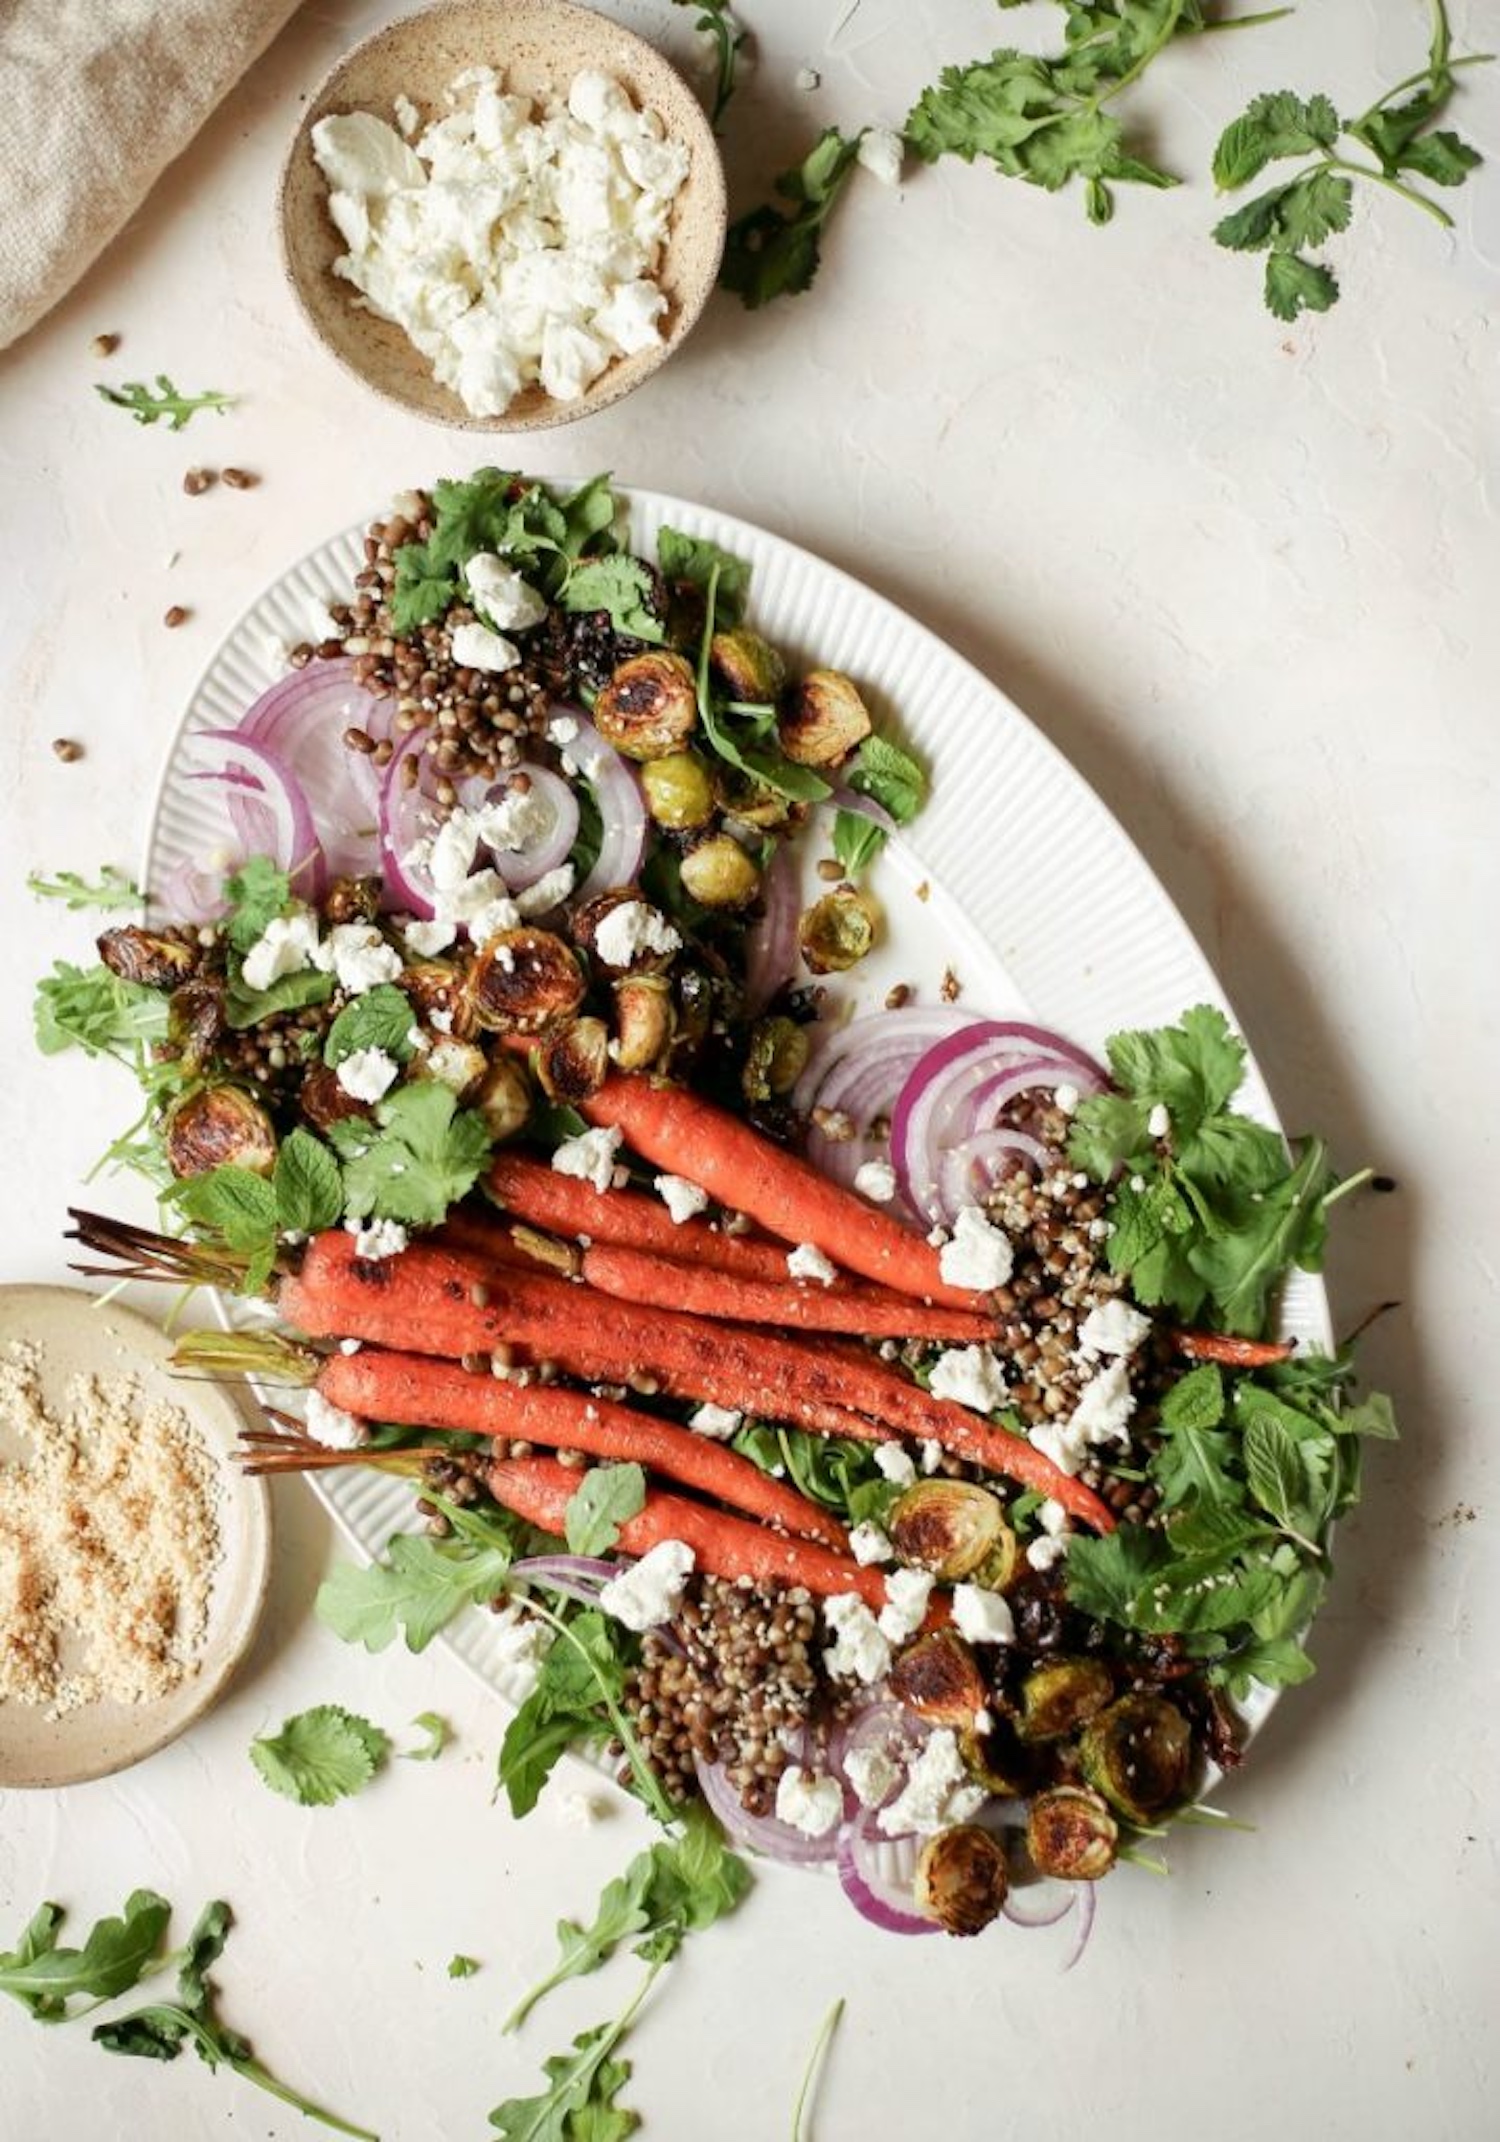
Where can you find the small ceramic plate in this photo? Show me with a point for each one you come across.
(537, 46)
(75, 1335)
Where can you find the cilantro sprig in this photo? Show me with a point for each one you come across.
(321, 1755)
(163, 403)
(423, 1155)
(775, 252)
(1297, 217)
(716, 21)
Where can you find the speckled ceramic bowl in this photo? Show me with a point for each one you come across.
(537, 46)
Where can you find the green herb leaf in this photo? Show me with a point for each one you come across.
(258, 892)
(462, 1966)
(111, 890)
(320, 1756)
(91, 1009)
(583, 2086)
(298, 991)
(856, 842)
(693, 559)
(890, 777)
(306, 1185)
(414, 1592)
(1281, 124)
(436, 1731)
(1105, 1576)
(606, 1496)
(775, 252)
(115, 1955)
(149, 408)
(424, 1156)
(581, 1675)
(1294, 286)
(380, 1019)
(624, 588)
(716, 20)
(1195, 1400)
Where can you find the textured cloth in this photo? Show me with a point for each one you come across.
(96, 98)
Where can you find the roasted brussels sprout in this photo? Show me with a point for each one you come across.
(504, 1098)
(837, 931)
(573, 1060)
(822, 719)
(776, 1059)
(323, 1100)
(1071, 1834)
(352, 900)
(137, 955)
(219, 1126)
(961, 1878)
(995, 1758)
(588, 920)
(524, 979)
(458, 1065)
(693, 1015)
(644, 1021)
(195, 1021)
(718, 873)
(1138, 1753)
(435, 985)
(747, 802)
(678, 791)
(947, 1526)
(747, 666)
(649, 708)
(1061, 1696)
(938, 1677)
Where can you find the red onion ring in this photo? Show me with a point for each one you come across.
(1049, 1915)
(188, 893)
(520, 867)
(849, 799)
(771, 942)
(621, 810)
(407, 886)
(859, 1071)
(575, 1576)
(876, 1893)
(766, 1834)
(302, 719)
(971, 1170)
(1088, 1904)
(268, 809)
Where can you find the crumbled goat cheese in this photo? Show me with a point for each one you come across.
(351, 1346)
(859, 1651)
(872, 1774)
(590, 1156)
(361, 957)
(368, 1074)
(580, 1810)
(1067, 1099)
(510, 603)
(1113, 1327)
(893, 1461)
(971, 1376)
(812, 1804)
(869, 1544)
(520, 1643)
(1052, 1517)
(807, 1261)
(807, 78)
(408, 118)
(1159, 1122)
(1041, 1554)
(449, 856)
(476, 647)
(876, 1180)
(979, 1255)
(288, 944)
(548, 892)
(424, 940)
(451, 1063)
(331, 1426)
(647, 1593)
(881, 153)
(907, 1592)
(491, 921)
(630, 929)
(716, 1422)
(515, 820)
(982, 1617)
(375, 1239)
(937, 1791)
(562, 729)
(931, 1454)
(684, 1200)
(1055, 1440)
(1103, 1413)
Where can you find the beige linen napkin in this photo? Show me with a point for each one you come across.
(96, 98)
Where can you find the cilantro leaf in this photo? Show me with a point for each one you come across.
(605, 1497)
(148, 407)
(380, 1019)
(1295, 285)
(462, 1966)
(414, 1592)
(436, 1730)
(510, 516)
(115, 1955)
(1105, 1576)
(1275, 126)
(775, 252)
(258, 892)
(424, 1156)
(623, 586)
(716, 21)
(693, 559)
(1278, 1663)
(112, 889)
(320, 1756)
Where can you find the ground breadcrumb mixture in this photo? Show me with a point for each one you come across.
(108, 1540)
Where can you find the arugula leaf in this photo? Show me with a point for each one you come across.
(91, 1009)
(579, 1678)
(436, 1730)
(775, 252)
(112, 889)
(320, 1756)
(766, 767)
(149, 408)
(579, 2104)
(289, 992)
(605, 1497)
(414, 1592)
(693, 559)
(380, 1019)
(259, 891)
(462, 1966)
(424, 1156)
(624, 587)
(115, 1955)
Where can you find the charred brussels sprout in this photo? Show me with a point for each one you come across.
(678, 791)
(995, 1758)
(585, 926)
(195, 1021)
(323, 1100)
(352, 900)
(961, 1879)
(1071, 1834)
(777, 1058)
(947, 1526)
(1061, 1696)
(837, 931)
(649, 708)
(938, 1677)
(1138, 1753)
(718, 873)
(747, 666)
(436, 985)
(458, 1065)
(822, 719)
(504, 1098)
(524, 979)
(157, 962)
(644, 1021)
(219, 1126)
(573, 1060)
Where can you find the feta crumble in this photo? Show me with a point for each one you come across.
(425, 940)
(287, 945)
(590, 1156)
(1159, 1122)
(982, 1617)
(631, 928)
(331, 1426)
(971, 1376)
(476, 647)
(938, 1791)
(1043, 1553)
(377, 1239)
(1113, 1327)
(859, 1651)
(895, 1463)
(521, 1644)
(807, 1261)
(876, 1180)
(647, 1593)
(684, 1200)
(869, 1544)
(979, 1256)
(808, 1802)
(361, 957)
(907, 1592)
(716, 1422)
(872, 1774)
(881, 152)
(548, 892)
(368, 1074)
(510, 603)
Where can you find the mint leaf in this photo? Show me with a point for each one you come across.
(1195, 1400)
(320, 1756)
(380, 1019)
(306, 1186)
(425, 1154)
(856, 842)
(890, 777)
(606, 1496)
(231, 1202)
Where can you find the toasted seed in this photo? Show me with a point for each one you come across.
(66, 749)
(197, 481)
(176, 616)
(240, 479)
(105, 345)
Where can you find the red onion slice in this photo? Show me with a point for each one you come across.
(302, 720)
(621, 810)
(849, 799)
(520, 867)
(876, 1875)
(1088, 1904)
(190, 893)
(266, 804)
(771, 942)
(761, 1833)
(1052, 1913)
(406, 815)
(575, 1576)
(972, 1170)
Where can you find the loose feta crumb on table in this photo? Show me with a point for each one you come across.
(876, 1180)
(631, 928)
(331, 1426)
(807, 1261)
(377, 1239)
(590, 1156)
(937, 1791)
(580, 1810)
(869, 1544)
(978, 1256)
(895, 1463)
(368, 1074)
(981, 1616)
(1112, 1327)
(716, 1422)
(971, 1376)
(881, 153)
(809, 1802)
(907, 1592)
(647, 1594)
(859, 1651)
(683, 1200)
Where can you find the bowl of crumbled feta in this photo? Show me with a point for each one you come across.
(503, 214)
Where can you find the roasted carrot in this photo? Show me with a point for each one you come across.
(675, 1129)
(1230, 1352)
(539, 1489)
(531, 1190)
(422, 1393)
(672, 1283)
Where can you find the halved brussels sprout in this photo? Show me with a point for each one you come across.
(504, 1098)
(837, 931)
(352, 900)
(961, 1878)
(585, 925)
(777, 1058)
(649, 708)
(573, 1060)
(1138, 1753)
(436, 985)
(523, 979)
(822, 719)
(644, 1021)
(458, 1065)
(678, 791)
(938, 1677)
(219, 1126)
(195, 1021)
(747, 666)
(157, 962)
(995, 1758)
(1061, 1696)
(745, 800)
(323, 1100)
(1071, 1834)
(947, 1526)
(718, 873)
